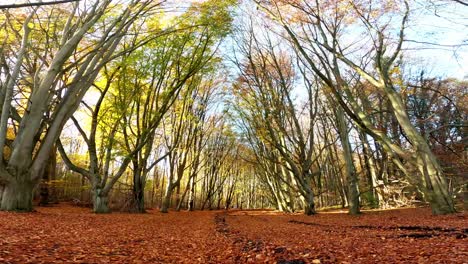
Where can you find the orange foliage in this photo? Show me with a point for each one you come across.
(70, 234)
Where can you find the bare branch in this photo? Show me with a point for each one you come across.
(36, 4)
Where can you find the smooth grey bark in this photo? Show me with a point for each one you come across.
(167, 197)
(18, 196)
(309, 203)
(432, 183)
(369, 160)
(349, 169)
(35, 139)
(8, 92)
(325, 43)
(191, 199)
(100, 201)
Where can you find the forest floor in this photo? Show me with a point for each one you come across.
(65, 234)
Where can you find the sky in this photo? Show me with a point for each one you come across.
(445, 25)
(436, 27)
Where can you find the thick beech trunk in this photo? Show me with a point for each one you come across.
(100, 202)
(17, 196)
(308, 196)
(309, 204)
(138, 200)
(138, 193)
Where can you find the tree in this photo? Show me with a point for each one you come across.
(324, 49)
(283, 126)
(37, 4)
(83, 46)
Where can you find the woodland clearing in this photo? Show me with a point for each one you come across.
(66, 234)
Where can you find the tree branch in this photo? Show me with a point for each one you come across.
(36, 4)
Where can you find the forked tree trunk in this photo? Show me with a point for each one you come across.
(432, 183)
(18, 196)
(435, 188)
(308, 197)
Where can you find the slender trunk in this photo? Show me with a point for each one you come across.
(191, 203)
(343, 193)
(1, 193)
(18, 196)
(161, 192)
(177, 193)
(46, 187)
(167, 197)
(82, 187)
(182, 198)
(218, 205)
(153, 189)
(207, 200)
(350, 172)
(371, 168)
(276, 193)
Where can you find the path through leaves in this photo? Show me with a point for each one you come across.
(67, 234)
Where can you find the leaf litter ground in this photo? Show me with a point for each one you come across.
(65, 234)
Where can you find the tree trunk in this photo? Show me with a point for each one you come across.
(191, 203)
(1, 193)
(182, 198)
(435, 188)
(350, 172)
(371, 169)
(307, 196)
(177, 194)
(100, 202)
(138, 198)
(309, 204)
(17, 196)
(138, 192)
(167, 198)
(46, 187)
(432, 182)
